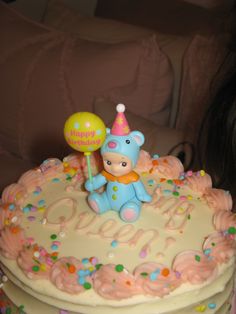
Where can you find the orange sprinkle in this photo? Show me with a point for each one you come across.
(162, 179)
(54, 254)
(165, 272)
(151, 170)
(15, 229)
(128, 283)
(165, 161)
(155, 162)
(71, 269)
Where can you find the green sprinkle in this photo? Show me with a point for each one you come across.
(98, 266)
(53, 236)
(35, 268)
(119, 268)
(144, 274)
(169, 181)
(232, 230)
(175, 193)
(54, 257)
(189, 216)
(8, 310)
(87, 285)
(197, 258)
(213, 244)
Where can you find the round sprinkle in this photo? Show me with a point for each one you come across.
(11, 206)
(36, 254)
(98, 266)
(71, 269)
(55, 180)
(31, 218)
(110, 254)
(167, 192)
(202, 173)
(232, 230)
(53, 236)
(62, 234)
(189, 173)
(165, 272)
(212, 306)
(153, 276)
(169, 181)
(87, 285)
(54, 247)
(155, 156)
(114, 243)
(14, 219)
(143, 254)
(207, 252)
(35, 268)
(93, 261)
(119, 268)
(197, 258)
(151, 182)
(81, 281)
(144, 274)
(41, 203)
(175, 193)
(85, 260)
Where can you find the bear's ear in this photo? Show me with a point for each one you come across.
(138, 137)
(108, 130)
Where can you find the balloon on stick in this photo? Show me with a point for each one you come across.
(85, 132)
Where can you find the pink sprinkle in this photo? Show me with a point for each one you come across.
(94, 261)
(30, 240)
(63, 312)
(31, 218)
(33, 209)
(183, 198)
(49, 262)
(43, 252)
(189, 173)
(143, 254)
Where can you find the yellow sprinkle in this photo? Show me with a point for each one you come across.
(72, 172)
(202, 173)
(65, 164)
(6, 222)
(189, 197)
(43, 267)
(180, 210)
(91, 269)
(144, 173)
(200, 308)
(41, 209)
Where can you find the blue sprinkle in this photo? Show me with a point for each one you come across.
(26, 209)
(41, 203)
(167, 192)
(55, 180)
(54, 247)
(212, 306)
(87, 272)
(114, 243)
(85, 260)
(81, 273)
(153, 276)
(155, 156)
(81, 280)
(151, 182)
(11, 206)
(207, 251)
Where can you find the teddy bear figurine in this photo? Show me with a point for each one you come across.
(124, 191)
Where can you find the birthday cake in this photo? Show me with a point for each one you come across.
(140, 236)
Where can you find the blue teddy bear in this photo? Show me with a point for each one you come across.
(124, 191)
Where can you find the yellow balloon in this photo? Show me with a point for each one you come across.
(85, 132)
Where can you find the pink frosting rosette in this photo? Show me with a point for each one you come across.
(168, 167)
(65, 275)
(199, 183)
(14, 193)
(52, 168)
(35, 261)
(31, 179)
(73, 160)
(219, 247)
(194, 267)
(9, 214)
(144, 163)
(156, 280)
(115, 282)
(12, 239)
(218, 199)
(224, 219)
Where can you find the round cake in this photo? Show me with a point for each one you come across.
(115, 232)
(59, 256)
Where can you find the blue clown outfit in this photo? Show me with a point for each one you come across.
(123, 193)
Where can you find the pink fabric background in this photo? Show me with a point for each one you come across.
(46, 75)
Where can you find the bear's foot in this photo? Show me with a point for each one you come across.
(130, 212)
(98, 203)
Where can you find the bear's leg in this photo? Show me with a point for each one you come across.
(130, 211)
(98, 202)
